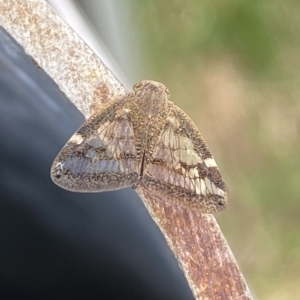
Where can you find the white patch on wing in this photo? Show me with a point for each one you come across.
(208, 185)
(210, 162)
(198, 186)
(202, 187)
(76, 138)
(221, 193)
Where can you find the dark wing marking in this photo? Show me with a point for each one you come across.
(101, 155)
(182, 170)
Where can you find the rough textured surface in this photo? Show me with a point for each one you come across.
(196, 239)
(59, 51)
(200, 248)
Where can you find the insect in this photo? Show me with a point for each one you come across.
(142, 139)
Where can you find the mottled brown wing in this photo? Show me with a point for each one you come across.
(182, 170)
(101, 155)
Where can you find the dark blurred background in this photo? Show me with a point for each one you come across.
(233, 67)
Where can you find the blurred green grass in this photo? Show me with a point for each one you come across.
(234, 67)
